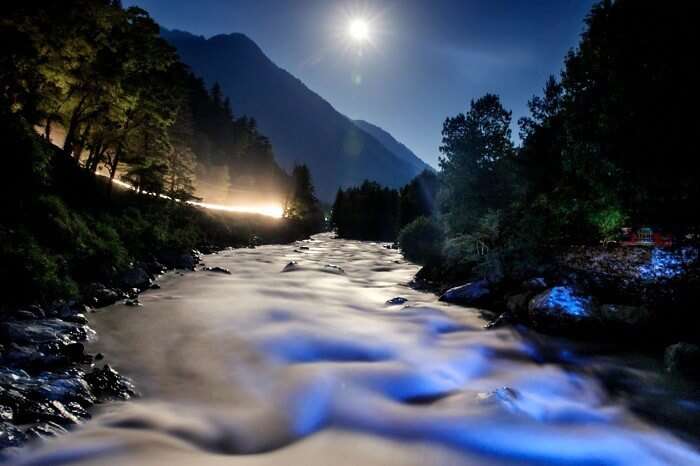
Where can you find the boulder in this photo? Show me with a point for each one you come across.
(99, 295)
(683, 358)
(46, 331)
(561, 307)
(217, 270)
(106, 383)
(178, 260)
(330, 268)
(10, 436)
(629, 316)
(472, 294)
(291, 267)
(397, 301)
(536, 284)
(135, 277)
(518, 304)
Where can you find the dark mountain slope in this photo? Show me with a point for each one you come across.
(396, 148)
(303, 127)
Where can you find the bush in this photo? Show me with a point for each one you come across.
(421, 241)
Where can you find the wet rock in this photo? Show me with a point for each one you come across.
(560, 307)
(26, 314)
(152, 267)
(291, 267)
(536, 284)
(99, 357)
(28, 357)
(6, 413)
(472, 294)
(44, 331)
(155, 286)
(106, 383)
(11, 436)
(100, 296)
(76, 319)
(304, 248)
(178, 260)
(518, 304)
(217, 270)
(683, 358)
(330, 268)
(132, 302)
(135, 277)
(45, 430)
(46, 411)
(396, 301)
(631, 316)
(503, 320)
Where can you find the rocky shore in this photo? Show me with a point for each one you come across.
(48, 382)
(639, 297)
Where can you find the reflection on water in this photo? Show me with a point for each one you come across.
(313, 367)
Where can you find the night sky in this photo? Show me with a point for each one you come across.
(427, 58)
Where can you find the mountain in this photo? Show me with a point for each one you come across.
(394, 146)
(302, 126)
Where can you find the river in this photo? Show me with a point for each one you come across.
(312, 367)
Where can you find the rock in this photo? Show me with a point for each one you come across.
(6, 413)
(21, 314)
(178, 260)
(100, 296)
(135, 277)
(632, 316)
(304, 248)
(107, 383)
(45, 430)
(155, 286)
(561, 306)
(536, 284)
(396, 301)
(291, 267)
(330, 268)
(132, 302)
(76, 319)
(217, 270)
(472, 294)
(44, 331)
(518, 304)
(11, 436)
(152, 267)
(683, 358)
(504, 319)
(99, 357)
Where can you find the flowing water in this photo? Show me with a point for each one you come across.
(312, 367)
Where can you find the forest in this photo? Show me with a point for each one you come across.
(89, 88)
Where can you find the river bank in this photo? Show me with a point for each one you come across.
(339, 354)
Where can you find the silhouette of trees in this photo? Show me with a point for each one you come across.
(302, 206)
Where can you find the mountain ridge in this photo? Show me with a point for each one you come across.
(303, 127)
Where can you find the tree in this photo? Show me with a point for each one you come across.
(477, 164)
(302, 206)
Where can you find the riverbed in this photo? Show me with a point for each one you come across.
(296, 358)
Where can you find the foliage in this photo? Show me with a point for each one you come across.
(366, 212)
(422, 240)
(417, 198)
(302, 206)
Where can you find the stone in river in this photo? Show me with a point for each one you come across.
(396, 301)
(472, 294)
(291, 267)
(562, 308)
(217, 270)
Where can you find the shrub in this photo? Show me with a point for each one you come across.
(422, 240)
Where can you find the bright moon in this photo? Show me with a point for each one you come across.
(359, 30)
